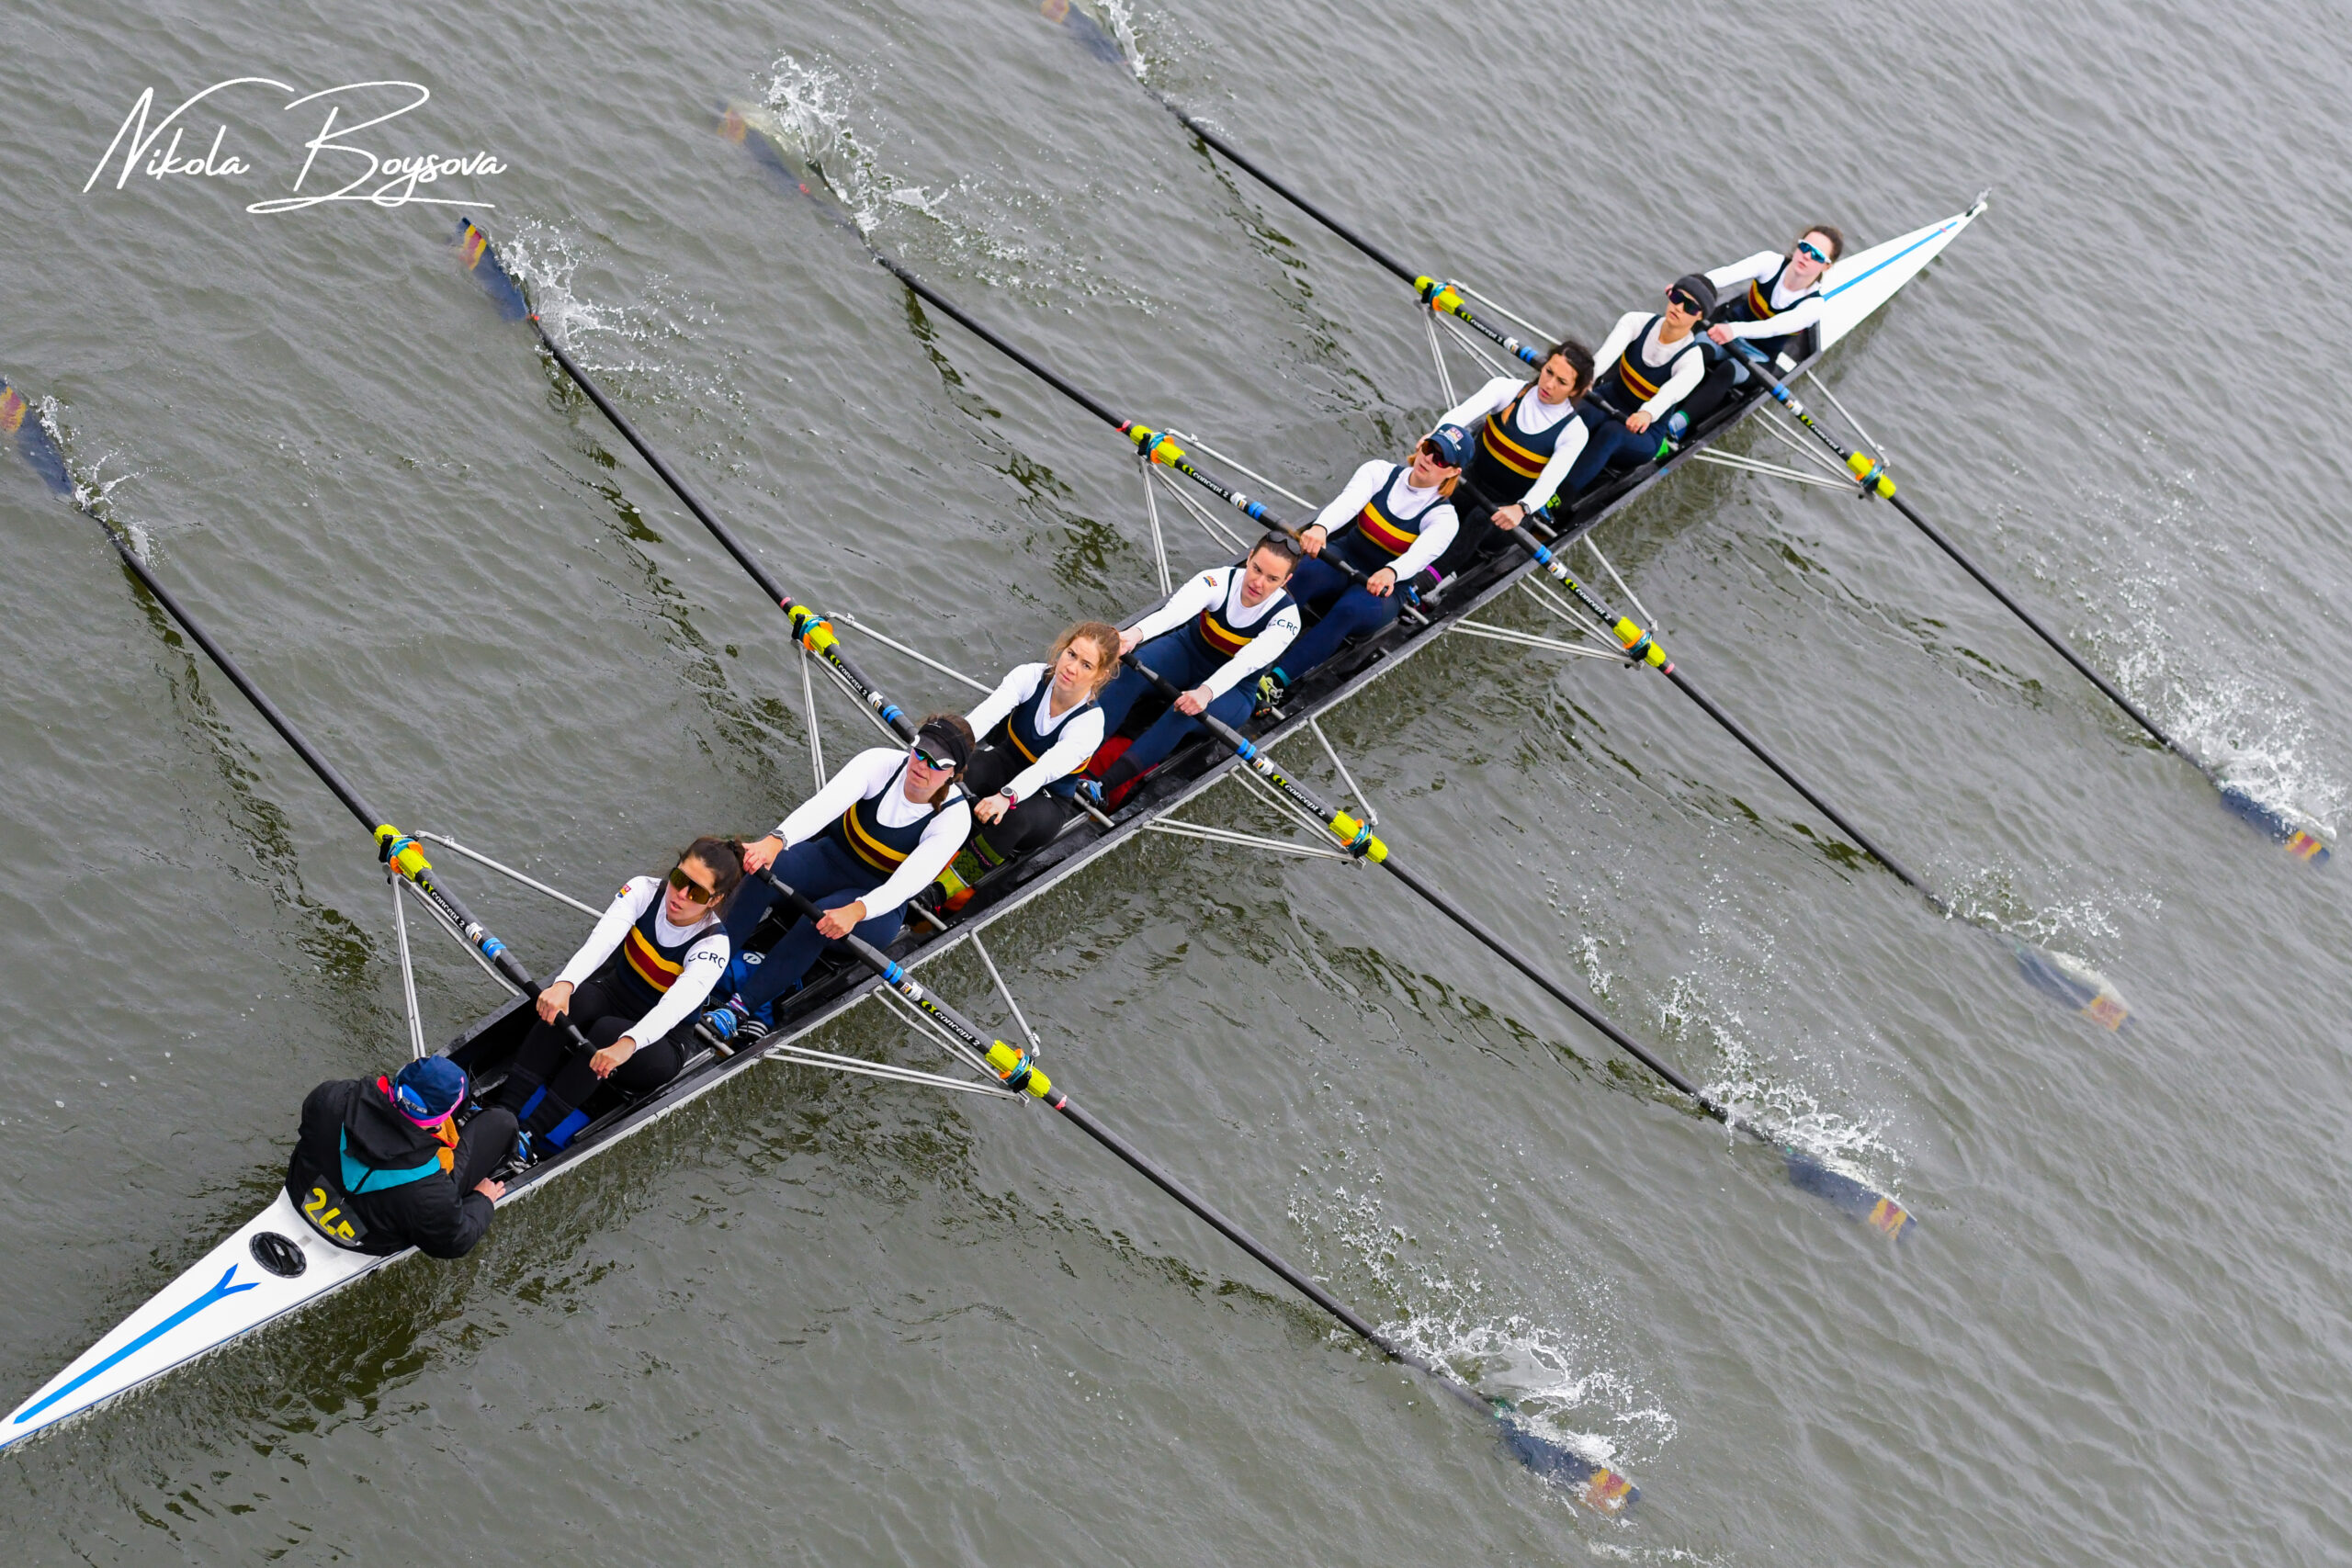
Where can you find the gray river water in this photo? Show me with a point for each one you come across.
(830, 1321)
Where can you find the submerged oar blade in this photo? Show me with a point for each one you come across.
(479, 259)
(1086, 29)
(2304, 838)
(1849, 1197)
(1595, 1486)
(754, 130)
(21, 422)
(2074, 984)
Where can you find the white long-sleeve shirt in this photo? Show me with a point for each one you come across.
(1756, 269)
(1534, 417)
(1076, 740)
(1222, 587)
(1437, 525)
(703, 963)
(1688, 371)
(865, 775)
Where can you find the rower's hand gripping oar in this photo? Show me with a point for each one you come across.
(2069, 979)
(399, 851)
(2304, 838)
(1875, 1209)
(1602, 1488)
(811, 630)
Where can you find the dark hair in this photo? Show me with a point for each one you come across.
(725, 858)
(1836, 236)
(962, 726)
(1579, 358)
(1280, 544)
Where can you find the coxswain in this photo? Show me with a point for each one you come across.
(380, 1167)
(1647, 365)
(1210, 640)
(1771, 298)
(879, 833)
(1530, 434)
(1390, 524)
(631, 990)
(1038, 729)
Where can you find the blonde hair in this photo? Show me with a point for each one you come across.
(1105, 638)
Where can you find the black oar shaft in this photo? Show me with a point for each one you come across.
(1763, 754)
(412, 866)
(895, 976)
(1441, 901)
(2034, 623)
(1639, 644)
(329, 774)
(1042, 372)
(1241, 160)
(833, 651)
(1871, 479)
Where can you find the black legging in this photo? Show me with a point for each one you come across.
(1032, 823)
(549, 1057)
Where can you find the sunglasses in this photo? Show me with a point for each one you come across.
(695, 891)
(1806, 247)
(1429, 449)
(1682, 301)
(939, 764)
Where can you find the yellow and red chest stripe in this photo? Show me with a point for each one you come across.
(865, 845)
(1393, 537)
(1759, 304)
(1495, 436)
(1221, 638)
(646, 959)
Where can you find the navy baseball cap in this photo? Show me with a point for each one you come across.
(1452, 443)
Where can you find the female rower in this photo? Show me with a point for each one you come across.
(886, 826)
(1209, 640)
(1389, 523)
(1648, 364)
(1781, 296)
(632, 989)
(1038, 729)
(1530, 433)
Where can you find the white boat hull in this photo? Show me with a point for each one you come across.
(219, 1299)
(1859, 284)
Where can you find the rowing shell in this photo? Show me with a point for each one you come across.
(277, 1264)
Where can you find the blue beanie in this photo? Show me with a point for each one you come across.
(428, 1089)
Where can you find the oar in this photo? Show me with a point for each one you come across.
(811, 630)
(1154, 444)
(1602, 1488)
(2304, 838)
(393, 847)
(1875, 1209)
(2062, 976)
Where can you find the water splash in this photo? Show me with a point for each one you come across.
(2212, 698)
(1452, 1320)
(1763, 1091)
(982, 230)
(92, 487)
